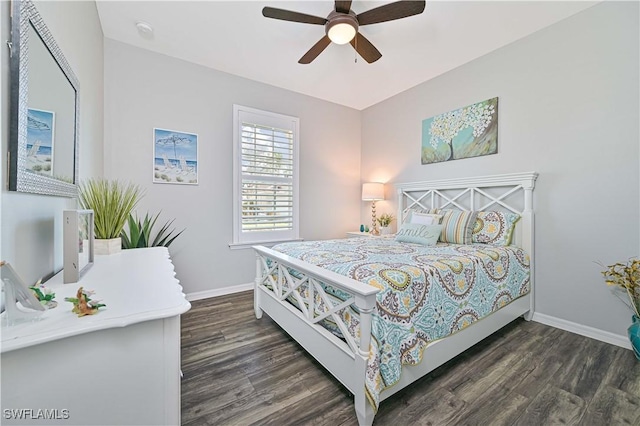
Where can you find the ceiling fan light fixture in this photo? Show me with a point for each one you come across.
(341, 28)
(341, 32)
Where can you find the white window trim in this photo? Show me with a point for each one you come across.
(239, 241)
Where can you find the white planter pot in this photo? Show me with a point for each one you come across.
(112, 246)
(385, 230)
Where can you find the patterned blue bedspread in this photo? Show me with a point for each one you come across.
(427, 293)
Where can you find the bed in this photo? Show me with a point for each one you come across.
(334, 298)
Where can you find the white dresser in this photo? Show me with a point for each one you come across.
(118, 367)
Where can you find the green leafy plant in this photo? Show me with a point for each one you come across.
(141, 231)
(385, 219)
(111, 202)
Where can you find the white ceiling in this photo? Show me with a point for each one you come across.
(234, 37)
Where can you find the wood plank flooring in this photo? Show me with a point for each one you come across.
(242, 371)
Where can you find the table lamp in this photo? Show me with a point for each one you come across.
(373, 191)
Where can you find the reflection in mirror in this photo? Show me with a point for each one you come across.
(50, 116)
(43, 147)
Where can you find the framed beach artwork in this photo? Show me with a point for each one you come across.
(40, 136)
(175, 157)
(466, 132)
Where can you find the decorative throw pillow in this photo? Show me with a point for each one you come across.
(419, 234)
(423, 218)
(494, 228)
(406, 214)
(457, 226)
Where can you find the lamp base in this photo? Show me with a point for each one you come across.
(374, 222)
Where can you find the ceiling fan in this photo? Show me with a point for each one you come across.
(341, 26)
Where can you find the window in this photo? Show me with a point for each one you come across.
(265, 176)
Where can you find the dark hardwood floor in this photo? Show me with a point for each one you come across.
(242, 371)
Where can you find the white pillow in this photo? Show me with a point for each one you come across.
(424, 218)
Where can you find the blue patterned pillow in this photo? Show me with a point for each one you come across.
(426, 235)
(494, 228)
(457, 226)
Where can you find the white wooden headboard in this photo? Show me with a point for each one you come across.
(508, 192)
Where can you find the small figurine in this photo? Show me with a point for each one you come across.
(361, 228)
(44, 295)
(82, 304)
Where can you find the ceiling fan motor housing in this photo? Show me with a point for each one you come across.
(341, 28)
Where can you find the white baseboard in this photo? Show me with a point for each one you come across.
(218, 292)
(583, 330)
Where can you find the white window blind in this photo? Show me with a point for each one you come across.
(265, 184)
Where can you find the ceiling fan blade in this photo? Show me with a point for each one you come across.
(391, 12)
(365, 49)
(288, 15)
(343, 6)
(315, 50)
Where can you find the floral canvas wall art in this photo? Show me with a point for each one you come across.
(466, 132)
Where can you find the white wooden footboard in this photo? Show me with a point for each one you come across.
(345, 359)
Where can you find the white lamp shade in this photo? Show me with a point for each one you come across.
(373, 191)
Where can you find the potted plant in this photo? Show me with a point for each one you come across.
(112, 203)
(141, 231)
(385, 220)
(625, 279)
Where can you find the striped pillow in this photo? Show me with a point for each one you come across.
(457, 226)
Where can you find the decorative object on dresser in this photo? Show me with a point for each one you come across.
(15, 290)
(83, 305)
(624, 279)
(340, 308)
(175, 157)
(44, 294)
(467, 132)
(78, 243)
(385, 220)
(373, 191)
(112, 203)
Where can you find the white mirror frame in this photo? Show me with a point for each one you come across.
(23, 14)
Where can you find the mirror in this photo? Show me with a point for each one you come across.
(43, 145)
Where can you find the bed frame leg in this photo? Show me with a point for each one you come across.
(528, 316)
(256, 288)
(364, 410)
(256, 303)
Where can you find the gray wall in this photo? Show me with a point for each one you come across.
(568, 109)
(144, 90)
(31, 225)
